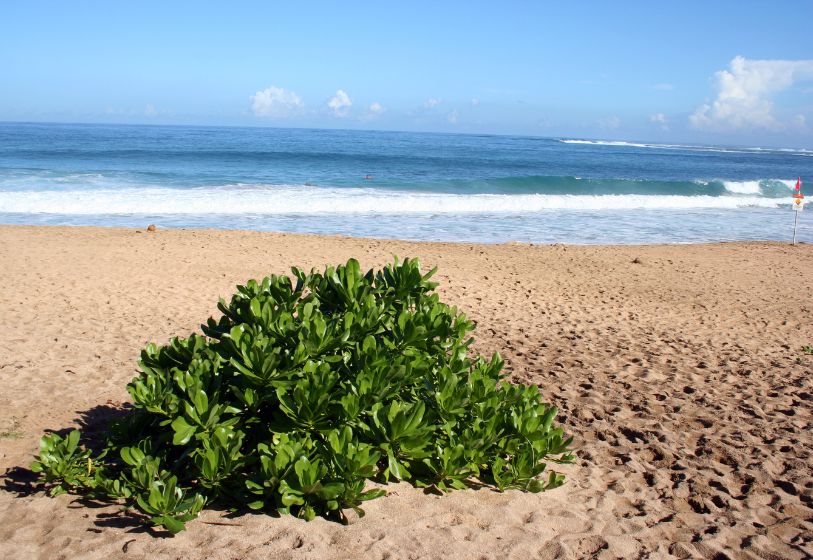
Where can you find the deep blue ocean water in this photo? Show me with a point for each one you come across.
(446, 187)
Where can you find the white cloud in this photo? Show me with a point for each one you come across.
(150, 111)
(744, 91)
(610, 122)
(663, 87)
(276, 102)
(373, 111)
(453, 117)
(800, 122)
(340, 103)
(661, 120)
(432, 102)
(475, 102)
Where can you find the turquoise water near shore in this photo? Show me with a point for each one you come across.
(397, 185)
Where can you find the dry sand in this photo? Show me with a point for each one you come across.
(678, 369)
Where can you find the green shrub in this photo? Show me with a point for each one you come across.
(301, 392)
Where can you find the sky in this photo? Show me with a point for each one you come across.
(721, 72)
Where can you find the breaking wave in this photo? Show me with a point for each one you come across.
(299, 199)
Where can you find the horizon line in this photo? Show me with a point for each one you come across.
(396, 131)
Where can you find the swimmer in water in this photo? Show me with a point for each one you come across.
(368, 177)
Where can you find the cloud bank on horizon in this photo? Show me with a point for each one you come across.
(276, 102)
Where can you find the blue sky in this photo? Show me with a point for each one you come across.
(713, 72)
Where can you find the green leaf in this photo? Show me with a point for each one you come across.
(255, 307)
(396, 468)
(183, 431)
(373, 494)
(171, 524)
(132, 455)
(72, 441)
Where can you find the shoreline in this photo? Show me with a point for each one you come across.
(514, 243)
(677, 368)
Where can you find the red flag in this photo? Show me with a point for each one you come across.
(799, 184)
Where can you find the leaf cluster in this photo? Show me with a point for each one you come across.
(305, 388)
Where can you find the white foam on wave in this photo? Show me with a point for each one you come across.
(28, 180)
(606, 143)
(690, 147)
(742, 187)
(756, 187)
(294, 199)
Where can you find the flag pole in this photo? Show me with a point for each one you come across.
(795, 223)
(798, 197)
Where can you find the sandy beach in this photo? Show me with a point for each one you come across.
(678, 369)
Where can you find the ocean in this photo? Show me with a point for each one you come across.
(404, 185)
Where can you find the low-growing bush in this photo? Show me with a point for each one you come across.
(302, 391)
